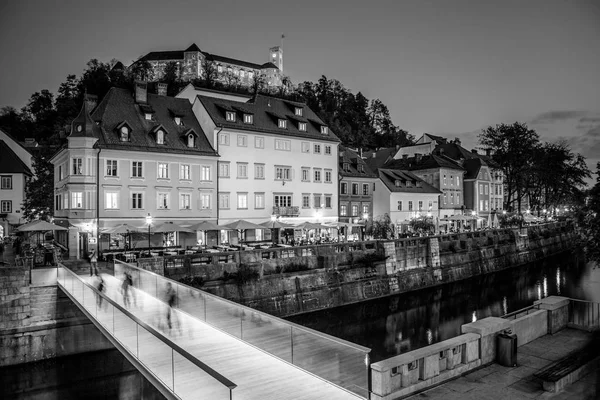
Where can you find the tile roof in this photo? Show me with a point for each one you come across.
(377, 159)
(266, 110)
(426, 162)
(439, 139)
(390, 176)
(473, 165)
(353, 160)
(83, 125)
(119, 107)
(10, 162)
(193, 47)
(163, 56)
(454, 151)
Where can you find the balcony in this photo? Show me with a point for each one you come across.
(292, 211)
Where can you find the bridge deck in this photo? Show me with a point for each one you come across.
(258, 375)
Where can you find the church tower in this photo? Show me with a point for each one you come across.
(276, 56)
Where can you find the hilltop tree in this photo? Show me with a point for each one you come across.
(210, 73)
(39, 191)
(591, 221)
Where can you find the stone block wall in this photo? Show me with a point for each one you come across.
(15, 306)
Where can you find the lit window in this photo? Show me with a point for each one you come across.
(259, 200)
(185, 201)
(242, 200)
(163, 170)
(343, 210)
(324, 130)
(259, 171)
(445, 180)
(259, 142)
(343, 188)
(242, 141)
(242, 170)
(355, 189)
(77, 200)
(163, 201)
(365, 209)
(282, 123)
(224, 139)
(111, 200)
(365, 189)
(354, 210)
(205, 173)
(77, 166)
(302, 126)
(223, 169)
(184, 172)
(248, 118)
(298, 111)
(136, 201)
(230, 116)
(160, 136)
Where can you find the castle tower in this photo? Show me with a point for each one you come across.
(276, 56)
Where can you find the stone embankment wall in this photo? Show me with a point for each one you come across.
(335, 278)
(40, 322)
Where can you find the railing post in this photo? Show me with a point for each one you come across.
(292, 343)
(173, 367)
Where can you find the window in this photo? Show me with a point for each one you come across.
(355, 189)
(163, 201)
(457, 181)
(224, 139)
(410, 206)
(354, 210)
(65, 202)
(365, 191)
(480, 189)
(250, 75)
(451, 180)
(327, 176)
(77, 166)
(230, 116)
(305, 174)
(6, 182)
(76, 200)
(6, 206)
(486, 188)
(445, 198)
(124, 134)
(57, 202)
(205, 174)
(219, 68)
(302, 126)
(111, 200)
(317, 201)
(224, 200)
(163, 170)
(305, 147)
(298, 111)
(136, 201)
(60, 173)
(160, 136)
(190, 141)
(282, 123)
(327, 201)
(324, 130)
(365, 209)
(361, 168)
(283, 173)
(487, 205)
(305, 201)
(282, 200)
(136, 169)
(242, 170)
(328, 150)
(317, 175)
(430, 205)
(248, 119)
(184, 172)
(343, 188)
(400, 206)
(317, 149)
(259, 201)
(205, 201)
(242, 141)
(223, 169)
(178, 121)
(185, 201)
(457, 198)
(281, 144)
(480, 205)
(420, 205)
(445, 180)
(343, 210)
(259, 171)
(451, 198)
(259, 142)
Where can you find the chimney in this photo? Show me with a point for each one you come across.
(474, 151)
(457, 141)
(418, 157)
(91, 101)
(161, 89)
(141, 92)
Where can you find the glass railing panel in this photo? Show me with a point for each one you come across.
(126, 331)
(148, 283)
(105, 314)
(161, 289)
(270, 334)
(333, 361)
(191, 382)
(90, 300)
(224, 316)
(191, 301)
(156, 356)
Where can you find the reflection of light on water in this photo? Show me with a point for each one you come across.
(504, 306)
(558, 281)
(474, 317)
(545, 286)
(539, 290)
(399, 336)
(429, 336)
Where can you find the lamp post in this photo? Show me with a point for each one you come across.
(149, 222)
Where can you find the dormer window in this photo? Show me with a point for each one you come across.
(190, 140)
(148, 116)
(282, 123)
(408, 184)
(298, 111)
(230, 116)
(178, 121)
(160, 136)
(398, 183)
(248, 118)
(124, 134)
(324, 130)
(302, 126)
(361, 168)
(346, 167)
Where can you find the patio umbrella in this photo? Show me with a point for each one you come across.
(242, 226)
(169, 227)
(205, 226)
(495, 221)
(490, 221)
(40, 226)
(275, 225)
(121, 229)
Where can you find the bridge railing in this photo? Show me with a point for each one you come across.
(168, 362)
(335, 360)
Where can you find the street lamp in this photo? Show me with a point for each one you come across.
(149, 222)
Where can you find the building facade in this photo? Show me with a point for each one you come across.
(134, 156)
(277, 159)
(191, 63)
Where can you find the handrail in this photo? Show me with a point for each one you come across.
(217, 298)
(226, 382)
(522, 310)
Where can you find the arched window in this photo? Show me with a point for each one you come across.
(190, 141)
(124, 134)
(160, 136)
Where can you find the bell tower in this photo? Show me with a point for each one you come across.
(276, 56)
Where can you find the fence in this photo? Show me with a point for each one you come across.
(167, 362)
(335, 360)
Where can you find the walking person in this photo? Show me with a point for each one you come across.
(101, 286)
(125, 290)
(93, 263)
(171, 298)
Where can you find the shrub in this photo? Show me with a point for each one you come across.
(293, 267)
(194, 281)
(244, 274)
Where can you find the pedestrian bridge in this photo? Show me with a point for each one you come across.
(216, 349)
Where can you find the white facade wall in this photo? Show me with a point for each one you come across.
(385, 201)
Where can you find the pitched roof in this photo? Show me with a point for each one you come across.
(217, 58)
(163, 55)
(353, 160)
(83, 125)
(426, 162)
(454, 151)
(439, 139)
(267, 110)
(473, 165)
(119, 106)
(417, 185)
(193, 47)
(377, 159)
(10, 161)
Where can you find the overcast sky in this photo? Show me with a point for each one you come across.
(446, 67)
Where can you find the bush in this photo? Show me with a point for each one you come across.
(368, 260)
(194, 281)
(244, 274)
(452, 247)
(294, 267)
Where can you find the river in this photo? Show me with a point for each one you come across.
(408, 321)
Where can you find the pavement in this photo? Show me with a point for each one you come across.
(495, 382)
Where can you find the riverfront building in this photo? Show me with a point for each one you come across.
(130, 157)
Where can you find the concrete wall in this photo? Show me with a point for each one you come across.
(530, 327)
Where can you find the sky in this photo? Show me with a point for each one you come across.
(448, 67)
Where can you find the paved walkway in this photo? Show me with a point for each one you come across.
(498, 382)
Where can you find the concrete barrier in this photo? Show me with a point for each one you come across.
(530, 327)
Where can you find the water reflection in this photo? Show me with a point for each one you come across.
(402, 323)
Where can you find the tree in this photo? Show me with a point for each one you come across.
(259, 81)
(591, 221)
(39, 191)
(141, 70)
(423, 224)
(382, 227)
(210, 73)
(231, 80)
(12, 122)
(172, 78)
(95, 79)
(512, 146)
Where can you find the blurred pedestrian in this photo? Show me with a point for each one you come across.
(93, 263)
(125, 290)
(171, 298)
(101, 286)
